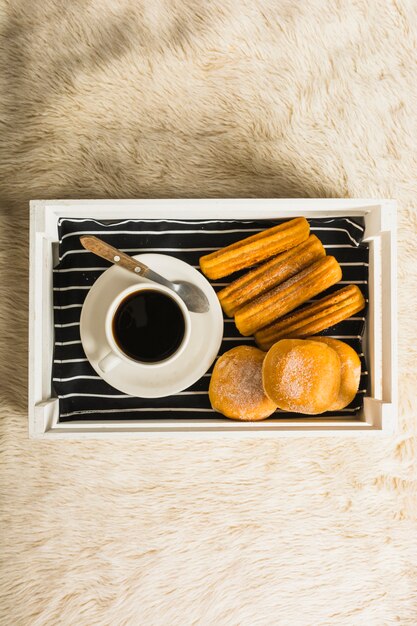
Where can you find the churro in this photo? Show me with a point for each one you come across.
(313, 318)
(255, 249)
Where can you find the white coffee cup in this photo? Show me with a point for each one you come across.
(116, 355)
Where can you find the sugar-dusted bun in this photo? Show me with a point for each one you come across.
(301, 376)
(236, 385)
(350, 372)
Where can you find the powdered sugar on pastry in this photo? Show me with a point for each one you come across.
(301, 376)
(297, 378)
(236, 385)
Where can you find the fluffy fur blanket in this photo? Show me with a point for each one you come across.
(174, 98)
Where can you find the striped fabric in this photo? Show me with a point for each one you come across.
(83, 394)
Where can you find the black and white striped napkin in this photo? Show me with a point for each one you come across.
(82, 393)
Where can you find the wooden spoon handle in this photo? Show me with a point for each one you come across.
(106, 251)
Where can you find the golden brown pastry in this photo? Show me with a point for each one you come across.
(254, 249)
(350, 372)
(313, 318)
(270, 274)
(282, 299)
(236, 385)
(301, 376)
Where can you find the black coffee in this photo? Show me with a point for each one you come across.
(148, 326)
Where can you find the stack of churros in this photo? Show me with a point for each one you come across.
(294, 268)
(270, 274)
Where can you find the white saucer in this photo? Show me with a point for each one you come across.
(139, 380)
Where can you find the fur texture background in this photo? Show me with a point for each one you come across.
(196, 98)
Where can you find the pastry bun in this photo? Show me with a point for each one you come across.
(302, 376)
(350, 372)
(236, 385)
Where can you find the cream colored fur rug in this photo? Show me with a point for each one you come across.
(173, 98)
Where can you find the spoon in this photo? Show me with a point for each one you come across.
(193, 296)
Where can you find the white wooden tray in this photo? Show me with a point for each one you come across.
(379, 413)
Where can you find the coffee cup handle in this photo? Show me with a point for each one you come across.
(109, 362)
